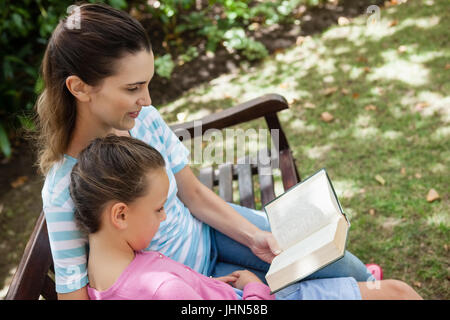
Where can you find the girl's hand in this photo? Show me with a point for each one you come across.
(227, 279)
(265, 246)
(243, 277)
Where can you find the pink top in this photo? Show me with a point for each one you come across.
(153, 276)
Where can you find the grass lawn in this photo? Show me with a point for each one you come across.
(387, 86)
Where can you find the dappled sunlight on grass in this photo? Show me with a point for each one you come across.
(365, 133)
(364, 129)
(300, 126)
(389, 223)
(363, 120)
(397, 112)
(423, 23)
(351, 213)
(438, 168)
(387, 87)
(402, 70)
(422, 57)
(318, 152)
(394, 163)
(441, 133)
(410, 73)
(392, 134)
(439, 218)
(346, 189)
(435, 104)
(197, 114)
(338, 134)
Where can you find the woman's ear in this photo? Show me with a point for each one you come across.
(79, 89)
(119, 215)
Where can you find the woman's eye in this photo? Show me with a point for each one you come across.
(160, 209)
(132, 89)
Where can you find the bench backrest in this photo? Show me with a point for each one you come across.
(35, 274)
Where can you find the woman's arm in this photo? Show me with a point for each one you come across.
(80, 294)
(214, 211)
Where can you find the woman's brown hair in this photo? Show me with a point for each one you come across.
(88, 49)
(110, 168)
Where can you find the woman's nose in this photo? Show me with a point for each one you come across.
(163, 215)
(146, 100)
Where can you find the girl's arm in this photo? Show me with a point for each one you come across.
(214, 211)
(253, 288)
(176, 290)
(257, 291)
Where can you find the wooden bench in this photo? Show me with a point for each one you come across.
(35, 273)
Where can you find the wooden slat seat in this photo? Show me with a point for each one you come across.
(223, 175)
(33, 277)
(226, 182)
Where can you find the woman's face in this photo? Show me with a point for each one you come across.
(116, 102)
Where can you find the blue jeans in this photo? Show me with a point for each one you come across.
(228, 255)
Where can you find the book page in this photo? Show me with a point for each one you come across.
(306, 247)
(302, 210)
(309, 255)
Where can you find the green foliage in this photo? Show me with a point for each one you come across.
(4, 142)
(236, 39)
(25, 27)
(189, 55)
(164, 65)
(224, 26)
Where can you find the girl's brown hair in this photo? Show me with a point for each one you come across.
(87, 49)
(110, 168)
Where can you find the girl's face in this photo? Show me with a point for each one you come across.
(116, 102)
(147, 212)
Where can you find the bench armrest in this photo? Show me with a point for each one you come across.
(250, 110)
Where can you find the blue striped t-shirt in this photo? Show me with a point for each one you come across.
(181, 236)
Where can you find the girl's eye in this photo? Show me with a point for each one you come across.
(132, 89)
(160, 209)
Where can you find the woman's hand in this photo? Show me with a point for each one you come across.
(265, 246)
(243, 277)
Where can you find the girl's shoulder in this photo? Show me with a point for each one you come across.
(55, 191)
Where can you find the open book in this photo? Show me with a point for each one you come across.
(310, 227)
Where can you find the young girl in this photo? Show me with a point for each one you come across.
(96, 74)
(119, 187)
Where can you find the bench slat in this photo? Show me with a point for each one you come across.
(245, 180)
(206, 176)
(265, 177)
(288, 169)
(226, 182)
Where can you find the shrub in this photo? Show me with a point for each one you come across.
(25, 27)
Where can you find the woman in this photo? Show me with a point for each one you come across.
(96, 74)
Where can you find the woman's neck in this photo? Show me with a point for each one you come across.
(108, 258)
(86, 129)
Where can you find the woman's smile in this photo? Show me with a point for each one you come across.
(133, 114)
